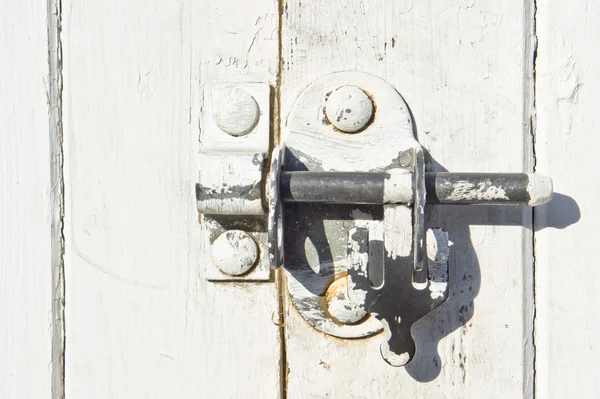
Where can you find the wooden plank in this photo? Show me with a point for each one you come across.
(142, 321)
(26, 204)
(464, 69)
(567, 311)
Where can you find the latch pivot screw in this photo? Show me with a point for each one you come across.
(234, 252)
(349, 109)
(236, 112)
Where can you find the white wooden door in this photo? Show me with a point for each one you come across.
(103, 288)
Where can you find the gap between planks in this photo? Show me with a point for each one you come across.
(531, 52)
(280, 278)
(57, 248)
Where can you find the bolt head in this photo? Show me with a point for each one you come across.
(339, 306)
(236, 112)
(349, 109)
(234, 252)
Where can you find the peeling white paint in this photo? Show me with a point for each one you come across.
(234, 117)
(437, 253)
(235, 111)
(349, 109)
(540, 189)
(356, 295)
(219, 173)
(357, 260)
(307, 124)
(397, 230)
(460, 129)
(234, 252)
(339, 304)
(437, 290)
(393, 358)
(398, 187)
(465, 191)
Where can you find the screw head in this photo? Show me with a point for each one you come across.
(349, 109)
(339, 306)
(234, 252)
(236, 112)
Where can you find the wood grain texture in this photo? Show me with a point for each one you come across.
(567, 327)
(464, 68)
(142, 321)
(26, 204)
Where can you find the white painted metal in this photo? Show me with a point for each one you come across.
(236, 112)
(340, 306)
(215, 270)
(320, 146)
(142, 320)
(567, 328)
(27, 207)
(234, 252)
(464, 69)
(226, 109)
(540, 189)
(349, 109)
(220, 172)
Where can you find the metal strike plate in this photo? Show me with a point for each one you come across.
(234, 140)
(347, 193)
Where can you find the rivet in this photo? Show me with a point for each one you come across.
(234, 252)
(236, 112)
(339, 305)
(349, 109)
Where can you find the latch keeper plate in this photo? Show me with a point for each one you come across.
(231, 160)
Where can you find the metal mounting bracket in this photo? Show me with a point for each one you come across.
(234, 140)
(346, 194)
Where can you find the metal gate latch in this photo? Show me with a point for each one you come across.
(346, 194)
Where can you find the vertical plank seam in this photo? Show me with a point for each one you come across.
(533, 129)
(57, 251)
(283, 367)
(530, 107)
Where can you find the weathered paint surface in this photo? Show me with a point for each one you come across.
(567, 327)
(236, 112)
(540, 189)
(398, 187)
(143, 319)
(339, 304)
(133, 73)
(466, 191)
(438, 254)
(463, 69)
(230, 184)
(235, 116)
(234, 252)
(29, 204)
(349, 109)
